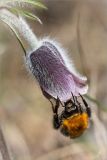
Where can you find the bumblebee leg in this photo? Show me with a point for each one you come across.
(55, 109)
(56, 123)
(57, 105)
(61, 102)
(73, 98)
(86, 105)
(52, 105)
(77, 104)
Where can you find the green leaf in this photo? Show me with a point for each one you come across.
(15, 2)
(36, 3)
(25, 13)
(32, 16)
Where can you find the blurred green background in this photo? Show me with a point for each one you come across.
(25, 115)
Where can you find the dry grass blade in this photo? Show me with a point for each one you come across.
(3, 147)
(80, 47)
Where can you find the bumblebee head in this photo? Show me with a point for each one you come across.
(75, 125)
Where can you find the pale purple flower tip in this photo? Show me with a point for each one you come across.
(56, 77)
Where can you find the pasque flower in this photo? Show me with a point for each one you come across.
(57, 77)
(48, 62)
(55, 74)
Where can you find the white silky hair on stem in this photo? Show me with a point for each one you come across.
(20, 24)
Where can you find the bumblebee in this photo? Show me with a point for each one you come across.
(74, 119)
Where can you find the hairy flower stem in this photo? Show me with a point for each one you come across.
(20, 24)
(3, 147)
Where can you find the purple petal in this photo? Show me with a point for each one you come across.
(55, 79)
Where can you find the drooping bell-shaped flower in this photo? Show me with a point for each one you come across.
(55, 74)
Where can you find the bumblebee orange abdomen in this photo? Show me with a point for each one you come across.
(75, 125)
